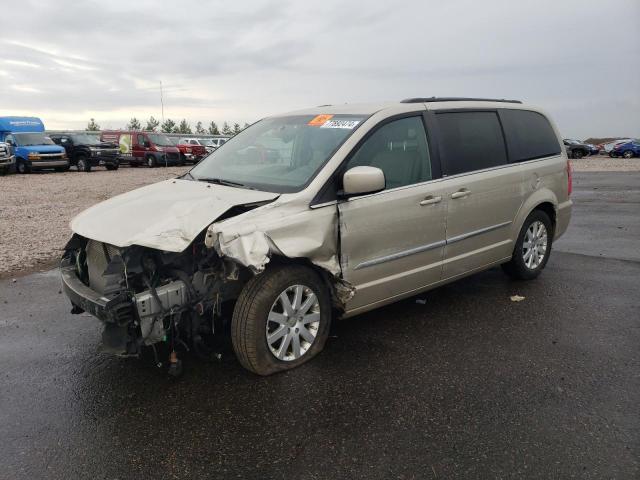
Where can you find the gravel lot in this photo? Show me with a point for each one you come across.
(601, 163)
(35, 209)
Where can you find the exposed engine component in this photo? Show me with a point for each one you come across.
(170, 296)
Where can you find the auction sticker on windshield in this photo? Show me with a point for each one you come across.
(349, 124)
(319, 120)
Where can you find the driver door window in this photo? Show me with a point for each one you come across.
(400, 150)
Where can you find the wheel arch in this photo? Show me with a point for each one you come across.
(333, 284)
(543, 199)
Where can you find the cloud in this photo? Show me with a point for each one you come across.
(244, 60)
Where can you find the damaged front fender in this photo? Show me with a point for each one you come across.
(287, 229)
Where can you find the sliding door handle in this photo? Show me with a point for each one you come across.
(430, 200)
(461, 193)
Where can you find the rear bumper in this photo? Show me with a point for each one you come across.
(563, 217)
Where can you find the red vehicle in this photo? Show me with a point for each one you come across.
(190, 152)
(148, 148)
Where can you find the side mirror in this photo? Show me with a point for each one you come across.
(361, 180)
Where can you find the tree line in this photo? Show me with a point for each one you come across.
(169, 126)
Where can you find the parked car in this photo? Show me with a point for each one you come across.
(593, 149)
(7, 159)
(190, 150)
(86, 151)
(362, 206)
(143, 148)
(33, 150)
(608, 147)
(218, 141)
(576, 149)
(628, 149)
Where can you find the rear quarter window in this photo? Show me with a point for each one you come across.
(529, 135)
(470, 140)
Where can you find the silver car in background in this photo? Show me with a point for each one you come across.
(318, 214)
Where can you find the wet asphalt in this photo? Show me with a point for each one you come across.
(462, 383)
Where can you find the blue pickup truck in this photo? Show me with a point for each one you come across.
(32, 149)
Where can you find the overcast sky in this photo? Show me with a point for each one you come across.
(66, 61)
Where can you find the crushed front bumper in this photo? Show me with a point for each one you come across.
(110, 310)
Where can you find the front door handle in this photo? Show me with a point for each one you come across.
(461, 193)
(430, 200)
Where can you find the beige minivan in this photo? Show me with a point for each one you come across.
(318, 214)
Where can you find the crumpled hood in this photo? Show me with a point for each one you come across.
(166, 215)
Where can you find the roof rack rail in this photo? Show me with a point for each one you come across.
(456, 99)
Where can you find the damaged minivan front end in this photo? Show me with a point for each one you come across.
(145, 296)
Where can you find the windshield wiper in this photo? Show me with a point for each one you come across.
(228, 183)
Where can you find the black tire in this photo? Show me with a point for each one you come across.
(183, 160)
(112, 166)
(151, 161)
(578, 154)
(628, 154)
(83, 164)
(249, 322)
(516, 267)
(22, 166)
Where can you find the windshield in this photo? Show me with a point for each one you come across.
(160, 140)
(32, 139)
(280, 154)
(86, 139)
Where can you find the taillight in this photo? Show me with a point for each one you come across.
(569, 178)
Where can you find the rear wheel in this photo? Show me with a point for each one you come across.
(281, 319)
(532, 248)
(628, 154)
(578, 154)
(151, 161)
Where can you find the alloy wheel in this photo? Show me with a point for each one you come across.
(293, 323)
(534, 247)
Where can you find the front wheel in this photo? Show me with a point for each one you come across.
(112, 166)
(532, 248)
(628, 154)
(578, 154)
(83, 164)
(151, 161)
(281, 319)
(22, 166)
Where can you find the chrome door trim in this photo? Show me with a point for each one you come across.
(464, 236)
(402, 254)
(430, 246)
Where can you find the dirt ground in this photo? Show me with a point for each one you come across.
(35, 209)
